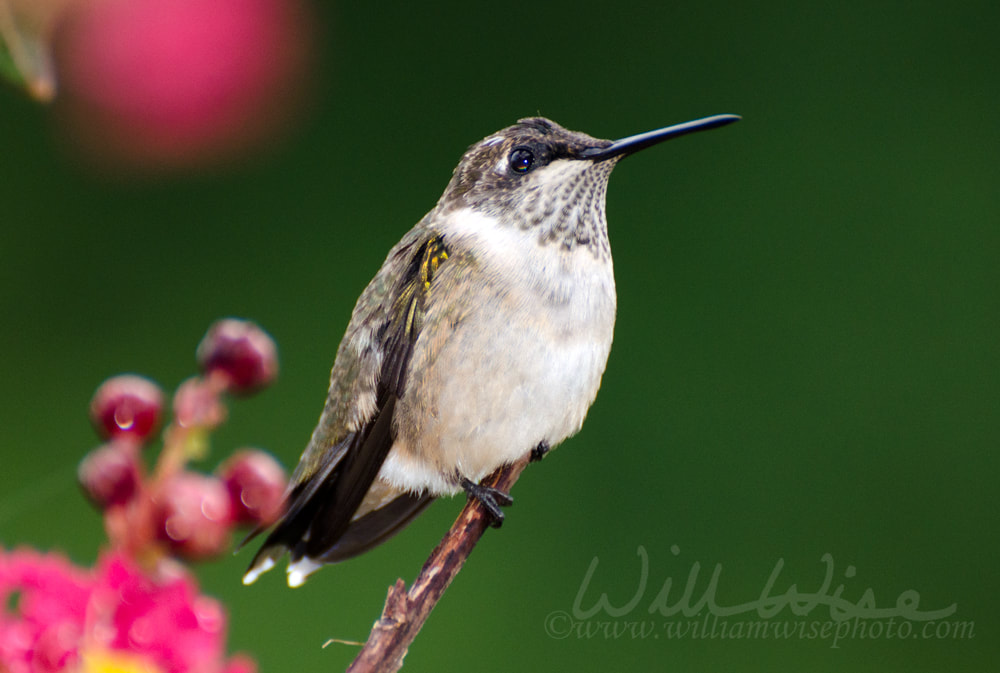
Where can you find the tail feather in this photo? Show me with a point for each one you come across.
(361, 535)
(262, 562)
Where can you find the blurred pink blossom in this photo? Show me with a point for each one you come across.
(174, 83)
(52, 597)
(60, 615)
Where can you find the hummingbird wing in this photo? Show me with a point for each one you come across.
(355, 431)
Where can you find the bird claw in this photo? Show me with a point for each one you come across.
(539, 451)
(492, 499)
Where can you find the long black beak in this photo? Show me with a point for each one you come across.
(633, 144)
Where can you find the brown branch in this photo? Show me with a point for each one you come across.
(405, 611)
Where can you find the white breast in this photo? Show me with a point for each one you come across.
(524, 369)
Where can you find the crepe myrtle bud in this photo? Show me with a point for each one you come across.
(256, 484)
(197, 404)
(126, 405)
(109, 475)
(241, 352)
(192, 515)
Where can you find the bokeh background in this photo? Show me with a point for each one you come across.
(806, 357)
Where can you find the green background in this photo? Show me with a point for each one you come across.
(806, 356)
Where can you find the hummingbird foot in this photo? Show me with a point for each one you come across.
(539, 451)
(492, 499)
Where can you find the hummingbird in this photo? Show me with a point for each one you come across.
(482, 338)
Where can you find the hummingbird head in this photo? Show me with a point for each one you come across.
(538, 176)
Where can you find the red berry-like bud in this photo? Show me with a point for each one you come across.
(197, 405)
(256, 484)
(192, 515)
(109, 475)
(126, 405)
(240, 351)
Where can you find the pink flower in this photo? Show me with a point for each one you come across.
(165, 620)
(175, 83)
(117, 612)
(51, 602)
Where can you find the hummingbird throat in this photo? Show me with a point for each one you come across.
(562, 203)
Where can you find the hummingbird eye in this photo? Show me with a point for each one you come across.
(521, 160)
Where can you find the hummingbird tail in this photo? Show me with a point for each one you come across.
(362, 534)
(262, 562)
(374, 528)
